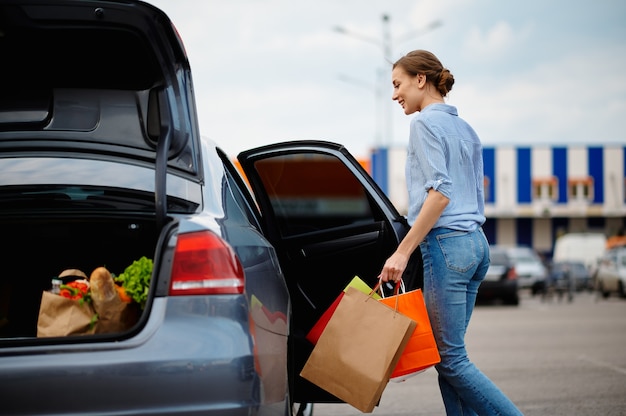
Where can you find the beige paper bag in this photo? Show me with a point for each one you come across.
(359, 348)
(115, 315)
(60, 316)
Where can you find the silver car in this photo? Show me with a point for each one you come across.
(610, 277)
(102, 164)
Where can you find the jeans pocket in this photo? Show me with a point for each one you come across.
(458, 249)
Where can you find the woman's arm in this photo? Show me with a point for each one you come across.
(433, 206)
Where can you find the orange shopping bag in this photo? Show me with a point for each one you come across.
(421, 352)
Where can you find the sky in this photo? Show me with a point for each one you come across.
(534, 72)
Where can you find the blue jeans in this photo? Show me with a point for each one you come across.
(455, 263)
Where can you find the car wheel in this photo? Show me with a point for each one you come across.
(620, 289)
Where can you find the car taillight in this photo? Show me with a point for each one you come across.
(511, 274)
(204, 264)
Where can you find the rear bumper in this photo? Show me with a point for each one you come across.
(195, 355)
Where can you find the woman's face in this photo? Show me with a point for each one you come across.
(408, 90)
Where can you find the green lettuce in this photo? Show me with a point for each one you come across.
(136, 280)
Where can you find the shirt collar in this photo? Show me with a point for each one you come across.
(446, 108)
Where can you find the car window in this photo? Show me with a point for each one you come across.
(313, 192)
(498, 257)
(237, 204)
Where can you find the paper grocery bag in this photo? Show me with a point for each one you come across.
(315, 332)
(421, 351)
(60, 316)
(114, 315)
(361, 345)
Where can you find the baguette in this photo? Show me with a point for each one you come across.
(102, 285)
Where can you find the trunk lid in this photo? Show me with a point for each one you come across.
(97, 80)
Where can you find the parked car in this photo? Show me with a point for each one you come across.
(102, 164)
(501, 281)
(530, 268)
(610, 277)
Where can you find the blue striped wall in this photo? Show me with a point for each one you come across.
(516, 164)
(489, 162)
(524, 176)
(559, 170)
(595, 168)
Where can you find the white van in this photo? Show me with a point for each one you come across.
(585, 247)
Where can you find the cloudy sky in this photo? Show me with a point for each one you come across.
(527, 72)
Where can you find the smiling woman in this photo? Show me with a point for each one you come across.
(444, 175)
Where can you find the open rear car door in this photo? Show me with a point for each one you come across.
(329, 222)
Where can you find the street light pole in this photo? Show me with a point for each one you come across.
(384, 75)
(386, 79)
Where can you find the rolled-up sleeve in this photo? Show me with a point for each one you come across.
(445, 154)
(431, 158)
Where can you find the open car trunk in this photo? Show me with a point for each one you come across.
(98, 131)
(36, 249)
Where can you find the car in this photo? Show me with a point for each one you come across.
(103, 164)
(501, 281)
(610, 277)
(531, 270)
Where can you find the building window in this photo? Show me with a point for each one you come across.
(545, 189)
(580, 189)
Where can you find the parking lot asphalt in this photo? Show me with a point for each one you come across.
(551, 357)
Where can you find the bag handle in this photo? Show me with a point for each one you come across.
(402, 288)
(399, 284)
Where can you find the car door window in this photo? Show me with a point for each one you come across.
(313, 192)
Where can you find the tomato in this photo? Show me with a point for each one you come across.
(74, 290)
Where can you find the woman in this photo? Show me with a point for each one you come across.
(444, 174)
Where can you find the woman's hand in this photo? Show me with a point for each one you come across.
(394, 267)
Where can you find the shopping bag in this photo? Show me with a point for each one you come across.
(357, 351)
(421, 352)
(60, 316)
(114, 315)
(319, 326)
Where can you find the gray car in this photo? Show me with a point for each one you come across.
(531, 271)
(102, 164)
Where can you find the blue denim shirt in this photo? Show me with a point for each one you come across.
(445, 154)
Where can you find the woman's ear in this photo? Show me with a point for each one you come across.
(420, 80)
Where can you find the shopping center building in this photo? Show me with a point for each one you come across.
(535, 194)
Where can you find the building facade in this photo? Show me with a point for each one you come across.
(534, 194)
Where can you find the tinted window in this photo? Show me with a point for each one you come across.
(313, 192)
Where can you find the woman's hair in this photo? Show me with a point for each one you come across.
(424, 62)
